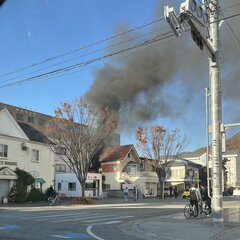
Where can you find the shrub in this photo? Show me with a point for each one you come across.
(18, 193)
(80, 200)
(36, 195)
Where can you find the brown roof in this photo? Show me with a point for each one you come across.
(117, 153)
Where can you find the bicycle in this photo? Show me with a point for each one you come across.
(203, 207)
(54, 200)
(190, 211)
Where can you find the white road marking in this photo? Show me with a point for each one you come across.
(92, 216)
(56, 215)
(89, 229)
(104, 218)
(77, 216)
(106, 223)
(92, 234)
(59, 236)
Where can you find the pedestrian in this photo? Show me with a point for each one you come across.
(175, 192)
(206, 198)
(125, 192)
(50, 192)
(135, 192)
(195, 197)
(170, 189)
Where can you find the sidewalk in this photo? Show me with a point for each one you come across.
(176, 227)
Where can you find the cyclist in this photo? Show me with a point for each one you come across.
(195, 197)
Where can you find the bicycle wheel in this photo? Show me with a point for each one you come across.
(207, 211)
(187, 211)
(58, 201)
(50, 201)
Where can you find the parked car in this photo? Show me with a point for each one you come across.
(186, 193)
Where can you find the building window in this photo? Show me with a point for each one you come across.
(31, 119)
(60, 150)
(60, 168)
(106, 186)
(59, 186)
(35, 155)
(88, 185)
(141, 167)
(128, 155)
(41, 121)
(19, 117)
(3, 150)
(72, 186)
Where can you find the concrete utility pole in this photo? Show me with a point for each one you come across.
(216, 114)
(202, 16)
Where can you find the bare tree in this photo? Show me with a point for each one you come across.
(78, 131)
(161, 148)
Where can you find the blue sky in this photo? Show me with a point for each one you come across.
(32, 31)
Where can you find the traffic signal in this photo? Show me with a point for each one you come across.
(197, 11)
(197, 38)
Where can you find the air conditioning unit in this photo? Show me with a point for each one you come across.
(24, 147)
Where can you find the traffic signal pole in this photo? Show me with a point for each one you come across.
(216, 115)
(201, 17)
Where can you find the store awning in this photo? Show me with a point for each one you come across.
(39, 180)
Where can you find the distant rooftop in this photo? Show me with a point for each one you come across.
(33, 134)
(117, 153)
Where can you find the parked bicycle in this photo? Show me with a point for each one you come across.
(54, 200)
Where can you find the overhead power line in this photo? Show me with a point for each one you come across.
(84, 47)
(232, 6)
(225, 18)
(84, 55)
(85, 63)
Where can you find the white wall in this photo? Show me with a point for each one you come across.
(113, 179)
(65, 178)
(44, 168)
(238, 171)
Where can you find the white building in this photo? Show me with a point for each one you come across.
(232, 172)
(67, 185)
(23, 147)
(121, 165)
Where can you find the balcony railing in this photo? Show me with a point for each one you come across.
(141, 174)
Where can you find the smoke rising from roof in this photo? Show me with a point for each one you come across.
(165, 79)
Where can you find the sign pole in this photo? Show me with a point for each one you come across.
(216, 115)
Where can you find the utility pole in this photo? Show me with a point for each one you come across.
(216, 114)
(206, 16)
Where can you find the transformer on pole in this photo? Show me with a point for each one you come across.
(200, 17)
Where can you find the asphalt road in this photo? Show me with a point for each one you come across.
(101, 221)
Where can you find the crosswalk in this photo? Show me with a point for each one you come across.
(83, 217)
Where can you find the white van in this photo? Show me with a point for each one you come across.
(236, 191)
